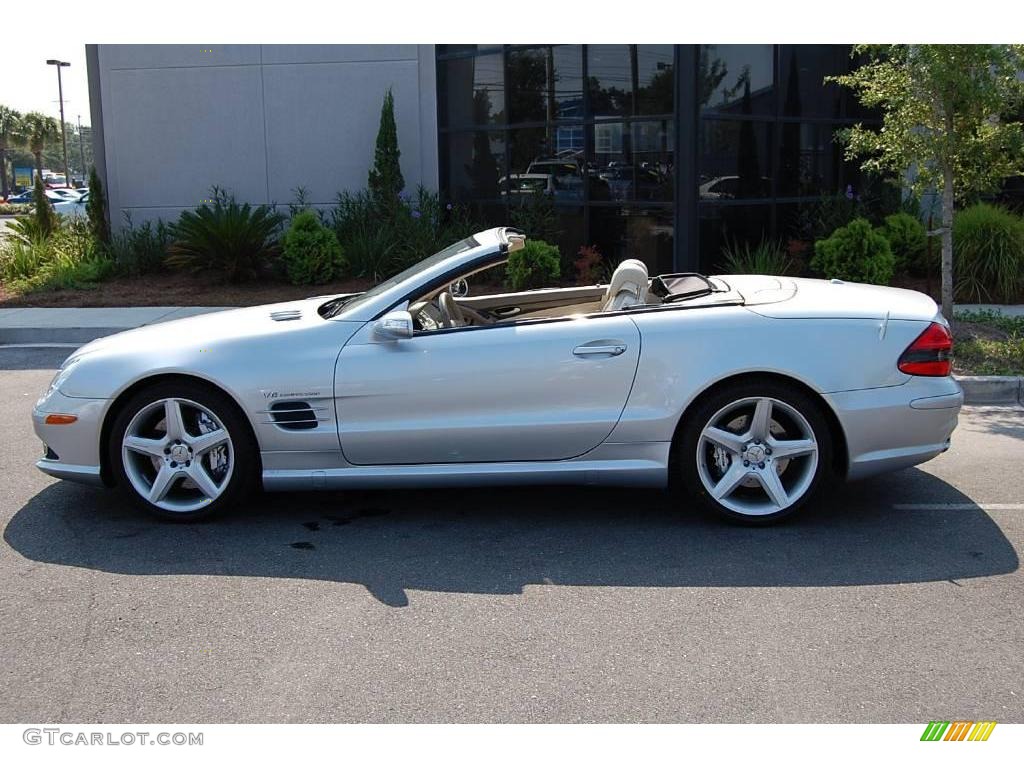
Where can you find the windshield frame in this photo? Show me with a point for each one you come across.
(443, 266)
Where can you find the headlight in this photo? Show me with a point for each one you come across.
(61, 376)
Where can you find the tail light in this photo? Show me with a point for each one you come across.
(929, 355)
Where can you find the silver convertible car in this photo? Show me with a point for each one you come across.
(751, 392)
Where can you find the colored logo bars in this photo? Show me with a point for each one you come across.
(958, 730)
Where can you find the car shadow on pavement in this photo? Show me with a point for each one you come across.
(498, 540)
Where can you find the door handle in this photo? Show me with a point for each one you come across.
(605, 350)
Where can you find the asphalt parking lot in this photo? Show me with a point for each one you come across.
(900, 600)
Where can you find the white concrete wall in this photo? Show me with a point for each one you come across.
(258, 120)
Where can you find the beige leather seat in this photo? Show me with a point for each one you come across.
(628, 286)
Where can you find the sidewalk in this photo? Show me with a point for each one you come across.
(40, 325)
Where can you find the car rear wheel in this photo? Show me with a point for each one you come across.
(183, 451)
(755, 452)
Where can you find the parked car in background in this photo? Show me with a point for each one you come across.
(69, 193)
(26, 197)
(72, 207)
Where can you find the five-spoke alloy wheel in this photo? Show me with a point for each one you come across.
(754, 452)
(182, 450)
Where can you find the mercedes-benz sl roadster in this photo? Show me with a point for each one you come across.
(753, 393)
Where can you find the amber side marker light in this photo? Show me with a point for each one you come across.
(60, 418)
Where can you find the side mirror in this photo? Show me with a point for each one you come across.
(394, 325)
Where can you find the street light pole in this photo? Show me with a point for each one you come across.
(81, 151)
(63, 132)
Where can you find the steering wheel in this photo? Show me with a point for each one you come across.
(451, 312)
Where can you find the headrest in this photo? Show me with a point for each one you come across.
(631, 274)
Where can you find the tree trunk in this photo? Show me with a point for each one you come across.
(39, 163)
(3, 173)
(947, 243)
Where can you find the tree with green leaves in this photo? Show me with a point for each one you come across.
(944, 123)
(10, 136)
(385, 179)
(96, 209)
(39, 130)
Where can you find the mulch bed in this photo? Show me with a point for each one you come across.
(177, 289)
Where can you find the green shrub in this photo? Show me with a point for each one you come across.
(236, 240)
(988, 254)
(907, 241)
(21, 258)
(15, 209)
(27, 228)
(536, 216)
(45, 219)
(534, 265)
(311, 252)
(856, 252)
(140, 250)
(96, 209)
(419, 226)
(68, 258)
(422, 227)
(368, 242)
(768, 257)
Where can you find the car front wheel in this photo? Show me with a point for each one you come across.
(755, 452)
(183, 451)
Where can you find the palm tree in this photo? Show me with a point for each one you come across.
(10, 136)
(39, 130)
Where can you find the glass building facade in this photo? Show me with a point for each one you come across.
(658, 152)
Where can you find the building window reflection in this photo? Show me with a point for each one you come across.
(598, 130)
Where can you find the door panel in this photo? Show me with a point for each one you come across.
(527, 392)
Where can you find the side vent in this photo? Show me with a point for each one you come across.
(286, 314)
(293, 414)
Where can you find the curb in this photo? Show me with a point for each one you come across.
(992, 390)
(69, 325)
(56, 335)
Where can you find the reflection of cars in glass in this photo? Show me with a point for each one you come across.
(541, 183)
(731, 187)
(755, 392)
(650, 183)
(566, 173)
(527, 184)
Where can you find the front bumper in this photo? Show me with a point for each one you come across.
(891, 428)
(74, 449)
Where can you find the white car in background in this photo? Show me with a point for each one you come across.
(26, 197)
(72, 207)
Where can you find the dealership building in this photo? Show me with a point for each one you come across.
(661, 152)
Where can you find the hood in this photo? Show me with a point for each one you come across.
(796, 297)
(208, 329)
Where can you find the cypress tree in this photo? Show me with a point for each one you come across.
(96, 209)
(45, 218)
(385, 180)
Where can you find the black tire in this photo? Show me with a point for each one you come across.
(246, 460)
(688, 443)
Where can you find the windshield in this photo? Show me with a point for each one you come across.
(333, 307)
